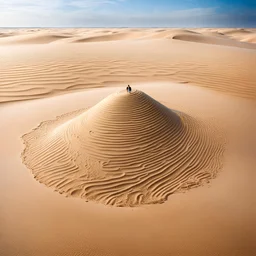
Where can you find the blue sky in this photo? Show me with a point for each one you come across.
(127, 13)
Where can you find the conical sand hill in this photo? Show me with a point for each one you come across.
(127, 150)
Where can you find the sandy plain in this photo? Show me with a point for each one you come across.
(208, 74)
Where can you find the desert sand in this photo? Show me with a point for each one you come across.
(89, 169)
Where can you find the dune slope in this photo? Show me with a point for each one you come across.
(212, 39)
(127, 150)
(32, 38)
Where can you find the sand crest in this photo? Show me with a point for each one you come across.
(225, 37)
(127, 150)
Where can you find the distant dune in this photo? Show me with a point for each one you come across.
(208, 36)
(37, 38)
(47, 62)
(212, 39)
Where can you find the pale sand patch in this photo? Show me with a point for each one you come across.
(211, 220)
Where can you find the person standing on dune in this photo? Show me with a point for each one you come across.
(129, 88)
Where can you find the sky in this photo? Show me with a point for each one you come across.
(127, 13)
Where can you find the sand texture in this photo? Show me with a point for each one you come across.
(43, 68)
(87, 169)
(127, 150)
(230, 37)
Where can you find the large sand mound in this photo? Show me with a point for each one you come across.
(212, 39)
(33, 38)
(111, 36)
(127, 150)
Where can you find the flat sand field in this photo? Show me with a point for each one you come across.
(87, 169)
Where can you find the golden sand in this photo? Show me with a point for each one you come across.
(127, 150)
(193, 96)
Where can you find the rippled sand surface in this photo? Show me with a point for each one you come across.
(127, 150)
(88, 169)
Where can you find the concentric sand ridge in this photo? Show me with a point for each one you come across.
(127, 150)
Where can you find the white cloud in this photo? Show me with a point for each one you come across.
(29, 5)
(51, 5)
(46, 12)
(90, 3)
(83, 13)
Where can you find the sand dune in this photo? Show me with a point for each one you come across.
(111, 37)
(249, 39)
(117, 149)
(212, 39)
(37, 71)
(166, 33)
(37, 38)
(127, 150)
(236, 31)
(4, 35)
(215, 219)
(231, 37)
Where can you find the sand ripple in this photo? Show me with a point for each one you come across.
(127, 150)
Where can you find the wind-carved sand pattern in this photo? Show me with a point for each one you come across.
(128, 150)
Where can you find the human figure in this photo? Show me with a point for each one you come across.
(129, 88)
